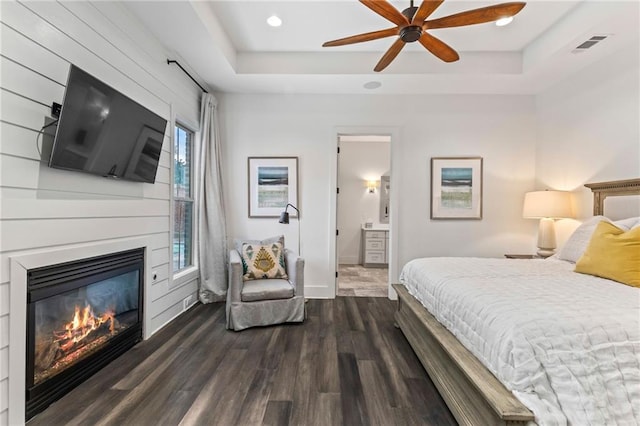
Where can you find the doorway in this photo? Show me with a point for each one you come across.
(362, 217)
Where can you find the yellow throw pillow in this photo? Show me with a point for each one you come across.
(613, 253)
(263, 261)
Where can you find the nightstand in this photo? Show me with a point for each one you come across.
(521, 256)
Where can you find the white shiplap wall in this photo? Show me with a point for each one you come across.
(46, 208)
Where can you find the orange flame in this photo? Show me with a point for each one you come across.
(82, 324)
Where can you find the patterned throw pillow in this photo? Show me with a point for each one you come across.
(238, 243)
(263, 261)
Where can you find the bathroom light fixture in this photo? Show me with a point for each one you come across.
(274, 21)
(371, 186)
(504, 21)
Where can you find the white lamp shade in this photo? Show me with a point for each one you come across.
(547, 204)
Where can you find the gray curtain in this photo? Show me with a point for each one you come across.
(212, 253)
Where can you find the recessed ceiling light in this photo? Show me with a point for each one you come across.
(274, 21)
(372, 85)
(504, 21)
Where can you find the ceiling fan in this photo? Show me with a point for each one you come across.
(412, 25)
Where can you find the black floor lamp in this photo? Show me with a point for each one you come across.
(284, 218)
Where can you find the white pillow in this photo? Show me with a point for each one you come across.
(628, 224)
(579, 240)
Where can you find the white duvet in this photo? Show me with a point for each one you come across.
(566, 344)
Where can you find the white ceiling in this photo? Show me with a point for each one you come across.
(229, 46)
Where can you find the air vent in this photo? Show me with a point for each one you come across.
(589, 43)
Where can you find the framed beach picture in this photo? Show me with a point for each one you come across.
(456, 188)
(273, 183)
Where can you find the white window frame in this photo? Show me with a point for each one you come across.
(189, 272)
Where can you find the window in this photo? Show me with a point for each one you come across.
(183, 199)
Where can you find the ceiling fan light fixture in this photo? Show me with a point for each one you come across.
(274, 21)
(410, 33)
(504, 21)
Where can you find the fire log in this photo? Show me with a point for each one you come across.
(45, 354)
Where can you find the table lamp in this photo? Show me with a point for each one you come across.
(547, 206)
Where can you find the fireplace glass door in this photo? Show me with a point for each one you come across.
(72, 325)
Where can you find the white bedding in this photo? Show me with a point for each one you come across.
(566, 344)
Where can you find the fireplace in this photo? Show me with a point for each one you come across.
(80, 316)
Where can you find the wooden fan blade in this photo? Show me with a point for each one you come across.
(438, 48)
(475, 16)
(426, 9)
(374, 35)
(387, 11)
(390, 55)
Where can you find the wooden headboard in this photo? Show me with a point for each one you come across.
(602, 190)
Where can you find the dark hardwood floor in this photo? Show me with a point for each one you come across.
(346, 365)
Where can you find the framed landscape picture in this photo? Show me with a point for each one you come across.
(273, 183)
(456, 188)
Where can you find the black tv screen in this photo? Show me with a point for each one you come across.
(103, 132)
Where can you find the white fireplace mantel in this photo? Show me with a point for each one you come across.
(24, 261)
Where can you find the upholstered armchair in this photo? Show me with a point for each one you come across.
(264, 301)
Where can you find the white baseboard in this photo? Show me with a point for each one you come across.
(349, 260)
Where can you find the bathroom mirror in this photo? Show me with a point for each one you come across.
(385, 188)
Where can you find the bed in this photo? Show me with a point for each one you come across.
(471, 380)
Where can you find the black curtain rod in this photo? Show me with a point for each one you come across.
(169, 62)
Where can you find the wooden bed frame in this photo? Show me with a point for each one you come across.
(472, 393)
(602, 190)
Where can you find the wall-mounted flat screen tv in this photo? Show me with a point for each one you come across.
(103, 132)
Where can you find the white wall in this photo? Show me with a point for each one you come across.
(501, 129)
(358, 162)
(589, 131)
(43, 208)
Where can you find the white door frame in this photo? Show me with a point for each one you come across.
(395, 144)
